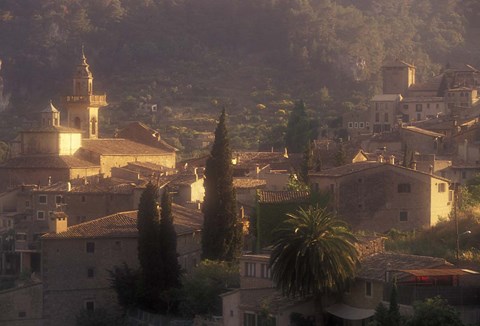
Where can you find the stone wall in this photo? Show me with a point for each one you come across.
(22, 306)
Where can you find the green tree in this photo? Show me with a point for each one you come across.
(340, 155)
(168, 238)
(125, 281)
(222, 228)
(298, 133)
(394, 311)
(381, 316)
(314, 253)
(434, 312)
(201, 288)
(308, 163)
(149, 251)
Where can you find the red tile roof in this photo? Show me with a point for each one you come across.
(275, 197)
(249, 183)
(124, 225)
(375, 266)
(118, 146)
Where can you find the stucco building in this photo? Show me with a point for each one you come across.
(76, 260)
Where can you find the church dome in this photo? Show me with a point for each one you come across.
(50, 108)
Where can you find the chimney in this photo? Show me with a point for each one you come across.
(413, 165)
(380, 159)
(59, 222)
(196, 173)
(69, 186)
(49, 180)
(242, 212)
(392, 159)
(465, 150)
(430, 169)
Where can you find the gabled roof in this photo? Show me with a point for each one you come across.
(368, 165)
(375, 266)
(276, 197)
(248, 183)
(141, 133)
(119, 146)
(422, 131)
(124, 225)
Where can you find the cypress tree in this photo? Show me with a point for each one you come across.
(222, 228)
(149, 248)
(168, 238)
(298, 132)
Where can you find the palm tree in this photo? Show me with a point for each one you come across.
(314, 254)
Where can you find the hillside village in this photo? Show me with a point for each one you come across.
(69, 200)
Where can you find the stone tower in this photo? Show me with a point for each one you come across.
(82, 105)
(398, 76)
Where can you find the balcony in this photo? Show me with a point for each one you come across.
(455, 295)
(94, 100)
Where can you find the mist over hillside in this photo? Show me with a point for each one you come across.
(239, 53)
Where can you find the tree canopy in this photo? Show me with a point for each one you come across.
(222, 228)
(313, 254)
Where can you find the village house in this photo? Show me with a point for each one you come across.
(383, 112)
(356, 122)
(379, 196)
(76, 260)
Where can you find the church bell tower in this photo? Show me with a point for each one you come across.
(82, 105)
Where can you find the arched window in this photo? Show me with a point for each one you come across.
(77, 123)
(94, 125)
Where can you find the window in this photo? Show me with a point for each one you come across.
(84, 199)
(265, 271)
(89, 305)
(442, 187)
(118, 245)
(464, 174)
(90, 247)
(59, 199)
(250, 269)
(403, 216)
(42, 199)
(367, 124)
(249, 319)
(368, 289)
(355, 125)
(450, 195)
(437, 106)
(403, 188)
(418, 108)
(22, 314)
(405, 106)
(377, 117)
(428, 105)
(27, 203)
(90, 272)
(350, 125)
(40, 215)
(386, 117)
(361, 125)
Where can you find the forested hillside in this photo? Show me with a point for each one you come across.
(234, 52)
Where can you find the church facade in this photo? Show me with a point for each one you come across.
(53, 152)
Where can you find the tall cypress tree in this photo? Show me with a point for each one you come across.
(222, 227)
(298, 132)
(149, 248)
(168, 238)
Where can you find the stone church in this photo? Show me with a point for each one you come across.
(53, 152)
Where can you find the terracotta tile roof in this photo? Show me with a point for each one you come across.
(108, 185)
(254, 299)
(118, 146)
(375, 266)
(141, 133)
(422, 131)
(124, 225)
(366, 165)
(252, 158)
(349, 168)
(275, 197)
(249, 183)
(53, 162)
